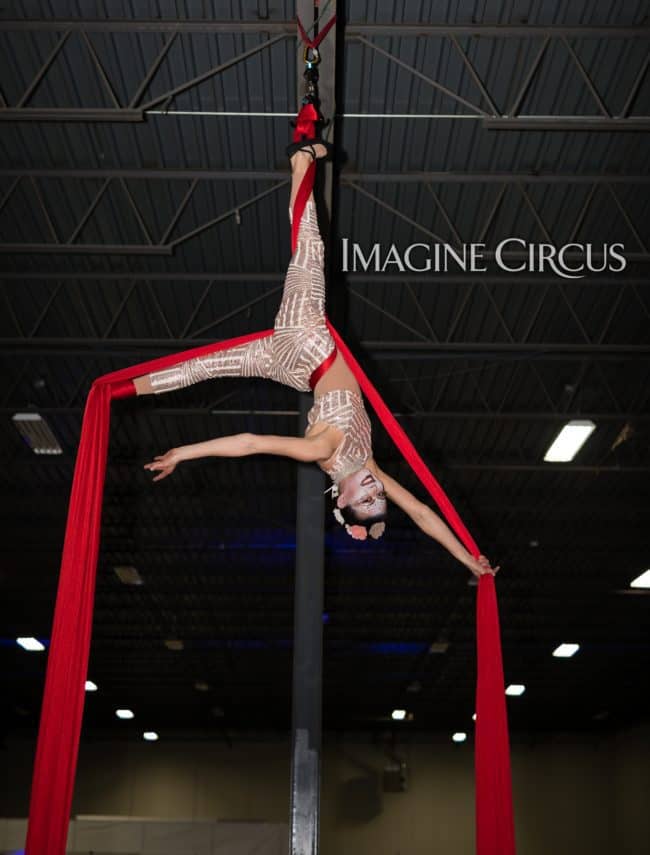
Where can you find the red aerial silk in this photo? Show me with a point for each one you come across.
(62, 709)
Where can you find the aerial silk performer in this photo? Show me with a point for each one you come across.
(302, 351)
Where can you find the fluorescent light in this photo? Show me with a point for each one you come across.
(515, 689)
(398, 715)
(642, 581)
(569, 441)
(90, 686)
(30, 644)
(459, 737)
(565, 651)
(125, 713)
(37, 433)
(150, 736)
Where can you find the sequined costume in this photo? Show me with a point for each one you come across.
(300, 347)
(300, 342)
(343, 409)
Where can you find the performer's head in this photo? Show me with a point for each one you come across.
(360, 504)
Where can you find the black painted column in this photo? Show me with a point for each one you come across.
(307, 656)
(308, 597)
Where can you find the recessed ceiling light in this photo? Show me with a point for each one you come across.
(174, 644)
(474, 717)
(150, 736)
(37, 433)
(515, 689)
(90, 686)
(32, 644)
(565, 651)
(398, 715)
(642, 581)
(459, 737)
(125, 714)
(569, 441)
(128, 575)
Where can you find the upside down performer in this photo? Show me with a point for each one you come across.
(303, 351)
(302, 354)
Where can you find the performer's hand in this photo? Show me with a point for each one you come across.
(164, 464)
(481, 566)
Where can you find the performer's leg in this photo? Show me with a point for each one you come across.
(291, 357)
(303, 300)
(246, 360)
(301, 341)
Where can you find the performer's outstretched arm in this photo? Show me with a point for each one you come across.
(241, 445)
(430, 523)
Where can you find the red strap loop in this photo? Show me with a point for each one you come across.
(319, 38)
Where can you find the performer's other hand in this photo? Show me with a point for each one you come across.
(481, 566)
(164, 464)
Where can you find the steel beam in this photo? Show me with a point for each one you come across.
(415, 415)
(219, 276)
(413, 177)
(71, 114)
(98, 348)
(396, 29)
(565, 123)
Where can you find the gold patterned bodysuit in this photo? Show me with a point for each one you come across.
(300, 344)
(343, 409)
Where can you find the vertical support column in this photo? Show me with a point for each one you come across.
(308, 598)
(307, 657)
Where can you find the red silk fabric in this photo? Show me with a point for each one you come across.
(61, 714)
(62, 709)
(67, 664)
(323, 368)
(494, 814)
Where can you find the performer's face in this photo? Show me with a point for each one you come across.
(364, 493)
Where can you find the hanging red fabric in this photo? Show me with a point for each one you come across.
(62, 708)
(67, 665)
(494, 813)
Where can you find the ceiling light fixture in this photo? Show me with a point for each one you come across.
(565, 651)
(569, 441)
(642, 581)
(31, 644)
(459, 737)
(125, 714)
(37, 433)
(150, 736)
(90, 686)
(515, 689)
(398, 715)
